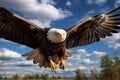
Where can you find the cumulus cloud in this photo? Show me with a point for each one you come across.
(98, 54)
(24, 63)
(113, 41)
(6, 54)
(44, 11)
(20, 63)
(12, 63)
(83, 52)
(117, 3)
(115, 46)
(48, 2)
(41, 24)
(89, 62)
(84, 61)
(23, 66)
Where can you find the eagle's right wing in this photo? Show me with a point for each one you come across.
(17, 29)
(91, 29)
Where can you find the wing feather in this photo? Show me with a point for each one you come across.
(91, 29)
(17, 29)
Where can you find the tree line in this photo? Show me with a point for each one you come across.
(110, 70)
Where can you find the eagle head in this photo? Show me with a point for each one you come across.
(56, 35)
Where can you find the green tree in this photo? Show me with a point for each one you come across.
(116, 60)
(5, 78)
(44, 76)
(16, 77)
(27, 77)
(106, 66)
(35, 76)
(1, 78)
(93, 74)
(80, 75)
(116, 68)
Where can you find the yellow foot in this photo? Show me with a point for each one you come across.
(52, 66)
(62, 64)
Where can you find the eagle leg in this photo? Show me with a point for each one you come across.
(48, 58)
(52, 66)
(62, 64)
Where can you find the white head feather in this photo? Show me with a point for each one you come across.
(53, 33)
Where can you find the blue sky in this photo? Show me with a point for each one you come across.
(59, 14)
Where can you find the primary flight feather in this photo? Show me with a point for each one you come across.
(51, 45)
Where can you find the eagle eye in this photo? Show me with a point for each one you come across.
(56, 33)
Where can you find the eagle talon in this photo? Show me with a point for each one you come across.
(52, 66)
(62, 64)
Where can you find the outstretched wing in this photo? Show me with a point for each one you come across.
(16, 29)
(93, 28)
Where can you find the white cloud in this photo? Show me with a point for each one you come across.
(113, 41)
(115, 46)
(84, 61)
(48, 2)
(5, 41)
(117, 3)
(97, 2)
(89, 62)
(6, 54)
(44, 12)
(20, 63)
(68, 3)
(90, 12)
(100, 1)
(89, 1)
(23, 63)
(83, 52)
(64, 13)
(98, 54)
(42, 24)
(22, 46)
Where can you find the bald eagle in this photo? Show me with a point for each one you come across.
(51, 45)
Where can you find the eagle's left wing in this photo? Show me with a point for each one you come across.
(93, 28)
(19, 30)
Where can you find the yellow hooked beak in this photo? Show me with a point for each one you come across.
(60, 36)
